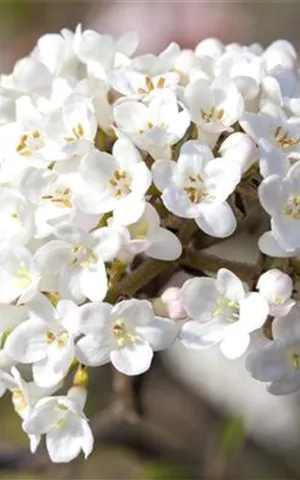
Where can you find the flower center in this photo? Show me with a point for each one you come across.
(81, 256)
(195, 188)
(61, 337)
(283, 139)
(61, 197)
(77, 133)
(122, 334)
(292, 207)
(227, 309)
(150, 85)
(212, 114)
(121, 183)
(29, 143)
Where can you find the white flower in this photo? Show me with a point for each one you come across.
(278, 140)
(73, 127)
(24, 396)
(278, 362)
(147, 236)
(139, 86)
(64, 423)
(115, 183)
(154, 127)
(215, 106)
(19, 276)
(52, 195)
(276, 287)
(25, 141)
(197, 186)
(46, 339)
(78, 261)
(280, 197)
(125, 334)
(222, 312)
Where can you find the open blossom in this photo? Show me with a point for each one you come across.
(197, 186)
(73, 127)
(78, 260)
(153, 127)
(222, 312)
(276, 287)
(278, 362)
(126, 334)
(214, 106)
(278, 140)
(280, 197)
(51, 198)
(62, 420)
(139, 86)
(46, 340)
(115, 183)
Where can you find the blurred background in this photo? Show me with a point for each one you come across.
(203, 417)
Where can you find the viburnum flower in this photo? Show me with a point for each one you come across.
(137, 86)
(214, 106)
(280, 197)
(222, 312)
(51, 196)
(197, 186)
(64, 423)
(146, 235)
(24, 396)
(46, 340)
(19, 275)
(276, 287)
(278, 362)
(278, 139)
(73, 127)
(77, 259)
(25, 141)
(153, 127)
(125, 334)
(115, 183)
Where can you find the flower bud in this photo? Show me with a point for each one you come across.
(174, 304)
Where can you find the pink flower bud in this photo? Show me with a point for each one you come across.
(171, 297)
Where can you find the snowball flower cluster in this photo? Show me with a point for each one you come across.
(117, 167)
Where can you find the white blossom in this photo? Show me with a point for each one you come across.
(64, 423)
(222, 312)
(46, 340)
(197, 186)
(126, 334)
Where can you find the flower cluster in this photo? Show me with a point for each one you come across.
(110, 160)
